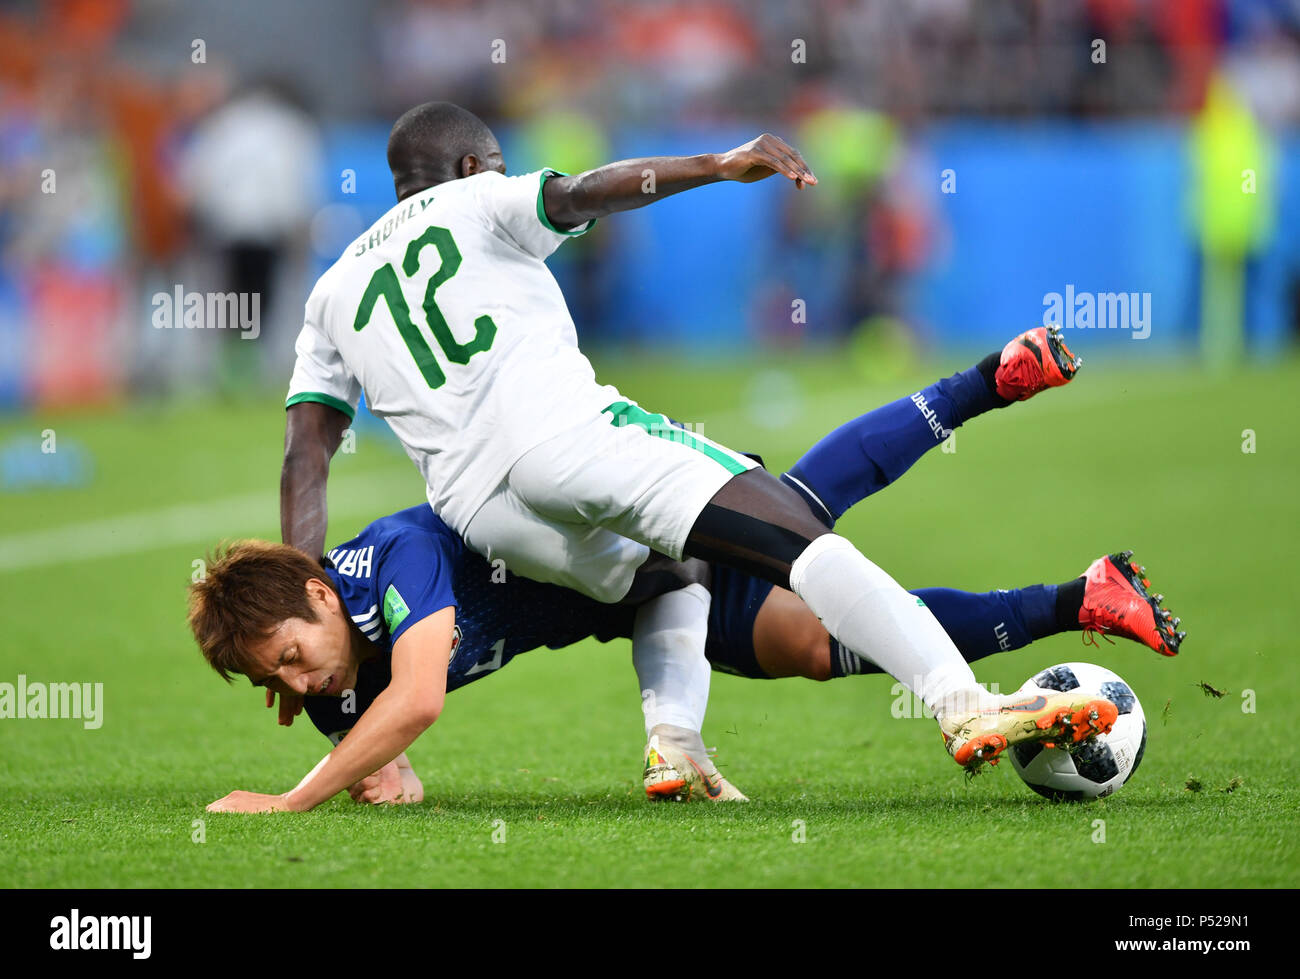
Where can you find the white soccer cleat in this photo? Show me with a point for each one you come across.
(672, 774)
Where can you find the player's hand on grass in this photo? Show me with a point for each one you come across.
(762, 157)
(412, 785)
(290, 705)
(396, 783)
(239, 801)
(384, 785)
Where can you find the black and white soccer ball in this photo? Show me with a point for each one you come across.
(1098, 767)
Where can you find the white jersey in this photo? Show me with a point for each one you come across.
(446, 315)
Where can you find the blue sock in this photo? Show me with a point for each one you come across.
(870, 452)
(979, 623)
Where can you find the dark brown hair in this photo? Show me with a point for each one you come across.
(248, 589)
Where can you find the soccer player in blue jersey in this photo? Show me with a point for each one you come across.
(335, 635)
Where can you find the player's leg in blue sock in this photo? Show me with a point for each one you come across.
(873, 450)
(983, 623)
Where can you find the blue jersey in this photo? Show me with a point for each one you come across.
(405, 567)
(396, 572)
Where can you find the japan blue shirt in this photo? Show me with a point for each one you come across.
(405, 567)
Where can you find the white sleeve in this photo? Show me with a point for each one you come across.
(513, 208)
(319, 373)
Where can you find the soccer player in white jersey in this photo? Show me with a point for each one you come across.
(445, 314)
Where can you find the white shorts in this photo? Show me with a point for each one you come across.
(583, 509)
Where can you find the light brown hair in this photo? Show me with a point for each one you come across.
(248, 589)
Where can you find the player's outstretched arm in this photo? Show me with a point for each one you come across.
(408, 706)
(312, 434)
(628, 184)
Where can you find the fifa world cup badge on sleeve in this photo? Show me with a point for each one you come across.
(395, 610)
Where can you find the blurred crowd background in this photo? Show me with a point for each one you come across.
(975, 156)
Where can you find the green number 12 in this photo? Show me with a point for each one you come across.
(384, 283)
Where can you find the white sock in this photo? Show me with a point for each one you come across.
(874, 617)
(668, 655)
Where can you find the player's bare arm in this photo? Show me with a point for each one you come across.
(572, 201)
(407, 707)
(312, 435)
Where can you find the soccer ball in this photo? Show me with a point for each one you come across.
(1100, 766)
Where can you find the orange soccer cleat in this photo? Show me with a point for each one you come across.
(1116, 602)
(1033, 361)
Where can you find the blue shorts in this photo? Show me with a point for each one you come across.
(737, 597)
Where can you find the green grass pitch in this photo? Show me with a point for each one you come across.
(545, 757)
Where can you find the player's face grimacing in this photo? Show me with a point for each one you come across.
(309, 658)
